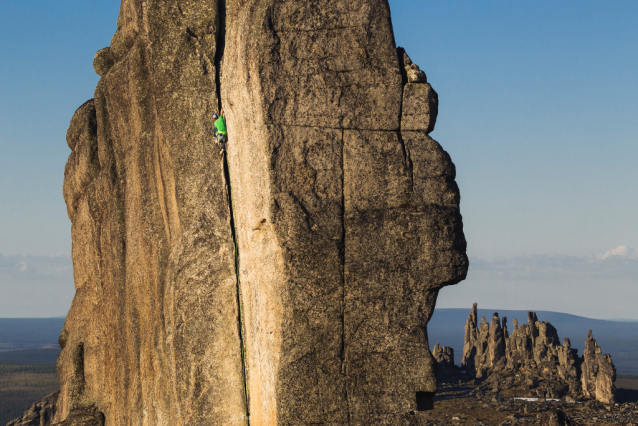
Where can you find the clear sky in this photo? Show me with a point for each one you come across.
(538, 109)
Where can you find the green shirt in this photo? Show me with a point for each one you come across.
(221, 125)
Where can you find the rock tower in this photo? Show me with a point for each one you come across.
(288, 281)
(533, 354)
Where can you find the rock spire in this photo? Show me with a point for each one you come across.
(533, 350)
(289, 281)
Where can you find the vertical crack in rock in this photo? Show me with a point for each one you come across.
(239, 311)
(406, 153)
(219, 59)
(342, 256)
(407, 159)
(219, 51)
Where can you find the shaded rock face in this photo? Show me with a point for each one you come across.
(554, 417)
(346, 211)
(484, 345)
(289, 281)
(533, 351)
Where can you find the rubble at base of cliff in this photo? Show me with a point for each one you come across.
(470, 403)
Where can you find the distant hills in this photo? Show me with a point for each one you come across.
(46, 355)
(618, 338)
(28, 333)
(30, 340)
(20, 336)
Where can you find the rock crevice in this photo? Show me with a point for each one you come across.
(219, 60)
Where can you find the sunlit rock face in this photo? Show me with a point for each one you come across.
(287, 281)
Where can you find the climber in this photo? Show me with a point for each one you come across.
(219, 131)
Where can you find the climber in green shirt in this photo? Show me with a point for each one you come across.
(219, 132)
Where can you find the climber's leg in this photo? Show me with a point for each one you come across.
(222, 143)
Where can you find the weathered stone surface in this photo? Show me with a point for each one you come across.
(569, 366)
(331, 198)
(84, 416)
(532, 357)
(420, 107)
(444, 357)
(152, 336)
(496, 342)
(471, 336)
(554, 418)
(103, 61)
(412, 71)
(332, 221)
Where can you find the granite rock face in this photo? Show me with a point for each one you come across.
(152, 336)
(289, 281)
(533, 352)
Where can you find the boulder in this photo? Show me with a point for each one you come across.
(103, 61)
(554, 417)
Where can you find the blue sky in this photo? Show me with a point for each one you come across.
(46, 73)
(539, 102)
(538, 109)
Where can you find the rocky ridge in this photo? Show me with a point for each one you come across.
(289, 281)
(532, 360)
(527, 377)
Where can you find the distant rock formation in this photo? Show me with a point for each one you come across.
(598, 372)
(444, 356)
(533, 354)
(41, 413)
(290, 280)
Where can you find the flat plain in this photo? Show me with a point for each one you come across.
(23, 384)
